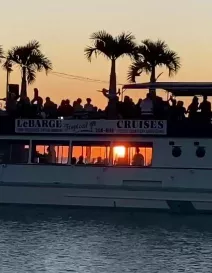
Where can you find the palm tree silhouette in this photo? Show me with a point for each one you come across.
(30, 59)
(150, 55)
(1, 53)
(112, 48)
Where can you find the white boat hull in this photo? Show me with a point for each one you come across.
(179, 202)
(173, 190)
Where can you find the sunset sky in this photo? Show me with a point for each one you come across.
(63, 28)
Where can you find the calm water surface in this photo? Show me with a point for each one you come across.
(61, 240)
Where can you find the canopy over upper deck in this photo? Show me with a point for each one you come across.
(184, 89)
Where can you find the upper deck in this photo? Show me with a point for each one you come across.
(159, 124)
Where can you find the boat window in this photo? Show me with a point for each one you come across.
(132, 154)
(50, 152)
(14, 151)
(176, 151)
(200, 152)
(90, 153)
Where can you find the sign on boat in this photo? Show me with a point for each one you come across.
(143, 127)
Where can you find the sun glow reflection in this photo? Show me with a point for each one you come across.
(119, 151)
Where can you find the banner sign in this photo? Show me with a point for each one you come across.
(76, 126)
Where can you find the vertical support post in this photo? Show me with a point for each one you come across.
(70, 153)
(30, 152)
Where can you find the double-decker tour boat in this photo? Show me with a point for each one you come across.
(151, 163)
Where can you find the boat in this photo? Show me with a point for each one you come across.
(38, 163)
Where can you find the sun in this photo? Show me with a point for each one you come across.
(119, 151)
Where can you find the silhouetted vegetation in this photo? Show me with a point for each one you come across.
(149, 56)
(30, 59)
(112, 48)
(1, 53)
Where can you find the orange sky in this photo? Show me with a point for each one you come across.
(63, 28)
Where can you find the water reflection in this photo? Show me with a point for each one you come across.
(65, 240)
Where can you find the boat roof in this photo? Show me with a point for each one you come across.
(184, 89)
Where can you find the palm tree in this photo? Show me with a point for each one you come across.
(30, 59)
(112, 48)
(8, 67)
(1, 53)
(150, 55)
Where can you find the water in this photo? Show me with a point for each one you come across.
(64, 240)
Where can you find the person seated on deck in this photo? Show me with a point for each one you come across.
(24, 108)
(180, 110)
(11, 104)
(51, 155)
(80, 161)
(138, 159)
(77, 105)
(61, 111)
(49, 108)
(138, 109)
(127, 108)
(99, 161)
(37, 99)
(193, 108)
(113, 108)
(106, 161)
(68, 108)
(88, 107)
(147, 106)
(73, 161)
(173, 109)
(160, 107)
(205, 108)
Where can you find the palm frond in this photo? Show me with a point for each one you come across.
(14, 54)
(30, 57)
(125, 45)
(1, 53)
(101, 35)
(157, 53)
(172, 62)
(39, 61)
(103, 44)
(158, 76)
(89, 51)
(125, 37)
(7, 65)
(33, 45)
(136, 69)
(109, 46)
(31, 75)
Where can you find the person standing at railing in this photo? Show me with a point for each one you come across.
(205, 108)
(147, 106)
(37, 101)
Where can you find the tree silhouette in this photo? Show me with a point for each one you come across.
(30, 59)
(112, 48)
(151, 55)
(1, 53)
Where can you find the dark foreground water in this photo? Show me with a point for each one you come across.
(64, 240)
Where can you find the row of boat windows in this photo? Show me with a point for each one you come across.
(200, 151)
(80, 153)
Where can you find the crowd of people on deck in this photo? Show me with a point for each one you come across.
(22, 107)
(152, 106)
